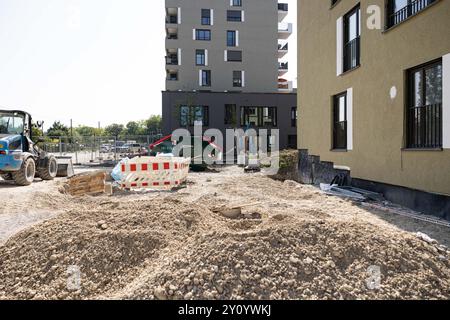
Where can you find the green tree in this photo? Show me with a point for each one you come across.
(133, 128)
(153, 124)
(114, 130)
(86, 131)
(58, 130)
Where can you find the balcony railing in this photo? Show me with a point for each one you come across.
(283, 47)
(409, 10)
(172, 60)
(425, 127)
(352, 54)
(172, 19)
(172, 77)
(283, 7)
(283, 66)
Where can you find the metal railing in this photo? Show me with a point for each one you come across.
(283, 66)
(172, 19)
(340, 135)
(407, 11)
(283, 47)
(98, 149)
(425, 127)
(172, 60)
(352, 54)
(283, 7)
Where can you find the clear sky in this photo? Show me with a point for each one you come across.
(87, 60)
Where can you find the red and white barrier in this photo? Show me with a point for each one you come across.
(154, 172)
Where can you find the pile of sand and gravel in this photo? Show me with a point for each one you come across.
(172, 249)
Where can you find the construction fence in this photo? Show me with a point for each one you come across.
(103, 150)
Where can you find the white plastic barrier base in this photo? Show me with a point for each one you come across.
(154, 172)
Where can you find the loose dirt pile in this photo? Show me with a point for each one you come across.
(173, 249)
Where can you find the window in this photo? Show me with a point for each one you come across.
(293, 116)
(206, 17)
(237, 79)
(352, 39)
(172, 75)
(230, 115)
(340, 121)
(400, 10)
(205, 78)
(236, 3)
(424, 109)
(258, 116)
(231, 39)
(234, 15)
(190, 115)
(234, 56)
(200, 57)
(203, 35)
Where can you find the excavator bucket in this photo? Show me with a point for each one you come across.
(65, 167)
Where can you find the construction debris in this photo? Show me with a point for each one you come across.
(334, 190)
(234, 212)
(90, 183)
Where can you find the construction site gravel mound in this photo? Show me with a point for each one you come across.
(175, 249)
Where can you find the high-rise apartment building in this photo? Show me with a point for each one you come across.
(225, 62)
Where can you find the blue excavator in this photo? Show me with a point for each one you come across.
(21, 160)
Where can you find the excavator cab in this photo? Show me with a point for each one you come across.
(20, 159)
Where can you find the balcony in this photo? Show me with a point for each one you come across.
(283, 10)
(172, 57)
(284, 30)
(283, 68)
(172, 33)
(409, 10)
(285, 86)
(283, 49)
(172, 16)
(172, 60)
(172, 75)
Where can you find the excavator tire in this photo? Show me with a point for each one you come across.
(26, 174)
(49, 170)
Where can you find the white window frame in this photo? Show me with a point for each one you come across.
(446, 101)
(339, 46)
(350, 119)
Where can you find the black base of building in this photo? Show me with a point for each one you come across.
(312, 170)
(428, 203)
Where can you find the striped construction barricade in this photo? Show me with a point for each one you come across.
(161, 173)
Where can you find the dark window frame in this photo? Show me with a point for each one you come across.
(206, 78)
(191, 117)
(339, 141)
(231, 115)
(294, 117)
(424, 122)
(202, 34)
(237, 81)
(233, 42)
(395, 17)
(205, 19)
(200, 53)
(261, 123)
(352, 48)
(239, 57)
(236, 3)
(234, 18)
